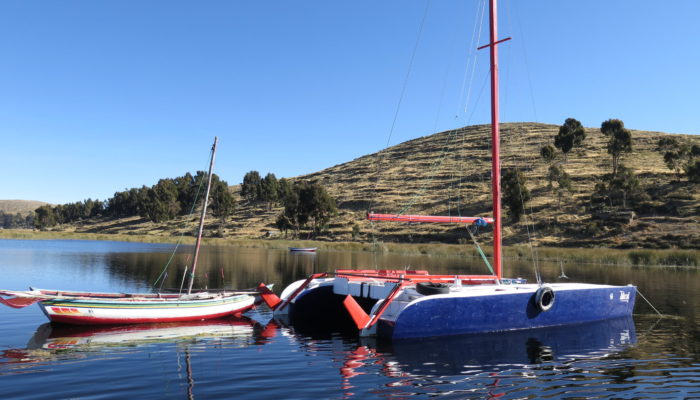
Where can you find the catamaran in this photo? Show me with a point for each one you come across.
(94, 308)
(398, 304)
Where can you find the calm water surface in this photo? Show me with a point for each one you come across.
(257, 358)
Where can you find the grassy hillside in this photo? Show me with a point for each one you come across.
(448, 173)
(23, 207)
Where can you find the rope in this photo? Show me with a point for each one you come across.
(381, 155)
(478, 248)
(648, 302)
(476, 38)
(182, 235)
(398, 105)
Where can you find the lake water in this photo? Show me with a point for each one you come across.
(257, 358)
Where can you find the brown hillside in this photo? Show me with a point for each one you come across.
(23, 207)
(448, 173)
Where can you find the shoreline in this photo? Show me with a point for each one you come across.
(605, 256)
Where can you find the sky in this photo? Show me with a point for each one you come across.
(102, 96)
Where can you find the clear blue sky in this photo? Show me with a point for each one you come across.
(101, 96)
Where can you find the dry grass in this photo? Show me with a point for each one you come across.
(23, 207)
(448, 173)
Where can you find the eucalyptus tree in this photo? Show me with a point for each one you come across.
(251, 186)
(514, 192)
(620, 140)
(571, 134)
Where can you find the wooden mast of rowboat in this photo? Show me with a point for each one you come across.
(201, 218)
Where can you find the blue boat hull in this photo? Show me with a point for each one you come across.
(453, 315)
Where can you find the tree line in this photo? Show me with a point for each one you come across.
(17, 220)
(164, 201)
(306, 204)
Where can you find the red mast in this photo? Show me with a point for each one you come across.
(495, 139)
(495, 145)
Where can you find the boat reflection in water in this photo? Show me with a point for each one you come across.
(493, 354)
(56, 343)
(56, 337)
(53, 342)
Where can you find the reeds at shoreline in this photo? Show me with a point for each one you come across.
(604, 256)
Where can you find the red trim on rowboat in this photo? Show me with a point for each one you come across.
(425, 218)
(86, 320)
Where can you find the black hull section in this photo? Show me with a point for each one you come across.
(320, 311)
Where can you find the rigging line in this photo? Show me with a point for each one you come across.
(382, 154)
(408, 73)
(521, 35)
(529, 220)
(509, 55)
(471, 54)
(475, 55)
(481, 92)
(443, 91)
(483, 256)
(179, 240)
(528, 225)
(431, 176)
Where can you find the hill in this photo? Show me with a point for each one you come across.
(23, 207)
(448, 173)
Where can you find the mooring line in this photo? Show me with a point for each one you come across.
(648, 302)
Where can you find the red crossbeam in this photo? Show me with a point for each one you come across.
(425, 218)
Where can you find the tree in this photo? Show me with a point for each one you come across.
(160, 201)
(126, 203)
(548, 153)
(620, 140)
(250, 188)
(319, 205)
(269, 191)
(571, 134)
(515, 193)
(283, 223)
(222, 202)
(284, 189)
(355, 231)
(44, 217)
(188, 188)
(563, 182)
(307, 202)
(623, 189)
(678, 155)
(693, 171)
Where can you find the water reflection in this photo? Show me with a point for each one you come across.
(59, 342)
(237, 363)
(480, 361)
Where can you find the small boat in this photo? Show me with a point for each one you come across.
(399, 304)
(302, 249)
(93, 308)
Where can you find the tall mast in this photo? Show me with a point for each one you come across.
(495, 144)
(495, 139)
(201, 218)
